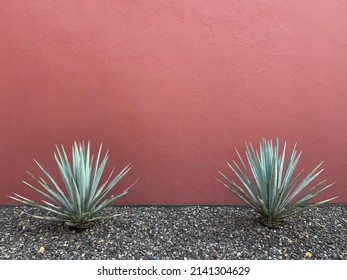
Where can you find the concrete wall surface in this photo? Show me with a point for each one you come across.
(173, 86)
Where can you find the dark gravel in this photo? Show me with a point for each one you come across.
(182, 232)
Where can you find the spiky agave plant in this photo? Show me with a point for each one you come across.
(271, 188)
(83, 198)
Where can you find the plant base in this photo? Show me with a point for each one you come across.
(273, 225)
(78, 228)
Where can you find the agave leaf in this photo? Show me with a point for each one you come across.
(278, 215)
(87, 180)
(97, 207)
(71, 186)
(251, 180)
(240, 172)
(69, 180)
(109, 200)
(307, 180)
(101, 198)
(101, 188)
(118, 177)
(51, 195)
(237, 188)
(309, 191)
(295, 210)
(104, 192)
(283, 192)
(100, 171)
(244, 182)
(105, 217)
(81, 174)
(290, 167)
(263, 210)
(51, 198)
(49, 218)
(281, 164)
(58, 208)
(257, 171)
(256, 176)
(75, 162)
(271, 189)
(97, 172)
(53, 182)
(272, 175)
(30, 202)
(67, 174)
(71, 176)
(267, 158)
(239, 193)
(310, 194)
(243, 164)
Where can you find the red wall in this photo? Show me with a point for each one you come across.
(173, 87)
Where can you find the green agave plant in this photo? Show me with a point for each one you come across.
(270, 187)
(84, 196)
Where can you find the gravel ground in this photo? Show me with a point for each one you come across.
(182, 232)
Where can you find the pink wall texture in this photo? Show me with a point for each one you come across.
(172, 86)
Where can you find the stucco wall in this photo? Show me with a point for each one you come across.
(172, 86)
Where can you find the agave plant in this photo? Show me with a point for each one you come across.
(83, 197)
(270, 186)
